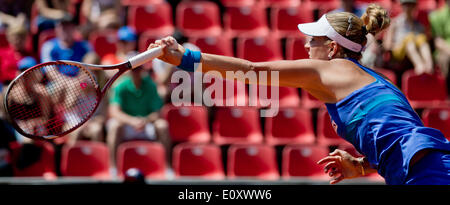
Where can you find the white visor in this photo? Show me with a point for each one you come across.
(323, 28)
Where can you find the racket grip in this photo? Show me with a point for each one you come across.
(144, 57)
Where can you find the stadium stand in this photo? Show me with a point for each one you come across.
(301, 161)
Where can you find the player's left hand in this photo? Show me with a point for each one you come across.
(341, 165)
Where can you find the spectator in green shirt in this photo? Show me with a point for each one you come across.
(134, 111)
(440, 27)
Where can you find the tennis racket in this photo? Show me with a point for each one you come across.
(54, 98)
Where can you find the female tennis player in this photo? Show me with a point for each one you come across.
(369, 111)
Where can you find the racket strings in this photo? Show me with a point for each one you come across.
(52, 99)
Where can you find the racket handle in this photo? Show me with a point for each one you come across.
(144, 57)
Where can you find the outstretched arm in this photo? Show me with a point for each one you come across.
(304, 73)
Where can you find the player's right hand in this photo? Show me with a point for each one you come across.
(172, 51)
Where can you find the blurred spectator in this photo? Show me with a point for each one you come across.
(15, 12)
(350, 6)
(406, 37)
(10, 56)
(440, 27)
(134, 111)
(64, 46)
(126, 47)
(50, 12)
(103, 14)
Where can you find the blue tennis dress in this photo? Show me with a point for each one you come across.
(379, 121)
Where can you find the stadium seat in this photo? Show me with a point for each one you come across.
(3, 40)
(438, 118)
(152, 17)
(424, 90)
(146, 38)
(233, 125)
(42, 166)
(300, 161)
(219, 45)
(287, 96)
(104, 42)
(214, 85)
(246, 21)
(326, 134)
(259, 49)
(325, 6)
(198, 18)
(252, 161)
(285, 19)
(234, 3)
(295, 48)
(198, 161)
(309, 101)
(291, 126)
(148, 157)
(281, 3)
(388, 73)
(139, 2)
(85, 159)
(187, 123)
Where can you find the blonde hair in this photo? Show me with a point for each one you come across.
(374, 20)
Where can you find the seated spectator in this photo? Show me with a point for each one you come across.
(50, 12)
(134, 111)
(10, 56)
(406, 38)
(126, 47)
(440, 27)
(64, 46)
(103, 14)
(15, 12)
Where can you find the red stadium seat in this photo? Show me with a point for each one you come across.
(424, 90)
(238, 97)
(148, 157)
(325, 6)
(140, 2)
(152, 17)
(3, 40)
(199, 18)
(301, 161)
(85, 159)
(219, 45)
(104, 42)
(43, 167)
(198, 161)
(326, 134)
(237, 125)
(309, 101)
(438, 118)
(278, 3)
(290, 126)
(388, 73)
(287, 96)
(295, 48)
(246, 21)
(146, 38)
(259, 49)
(285, 19)
(231, 3)
(188, 123)
(256, 161)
